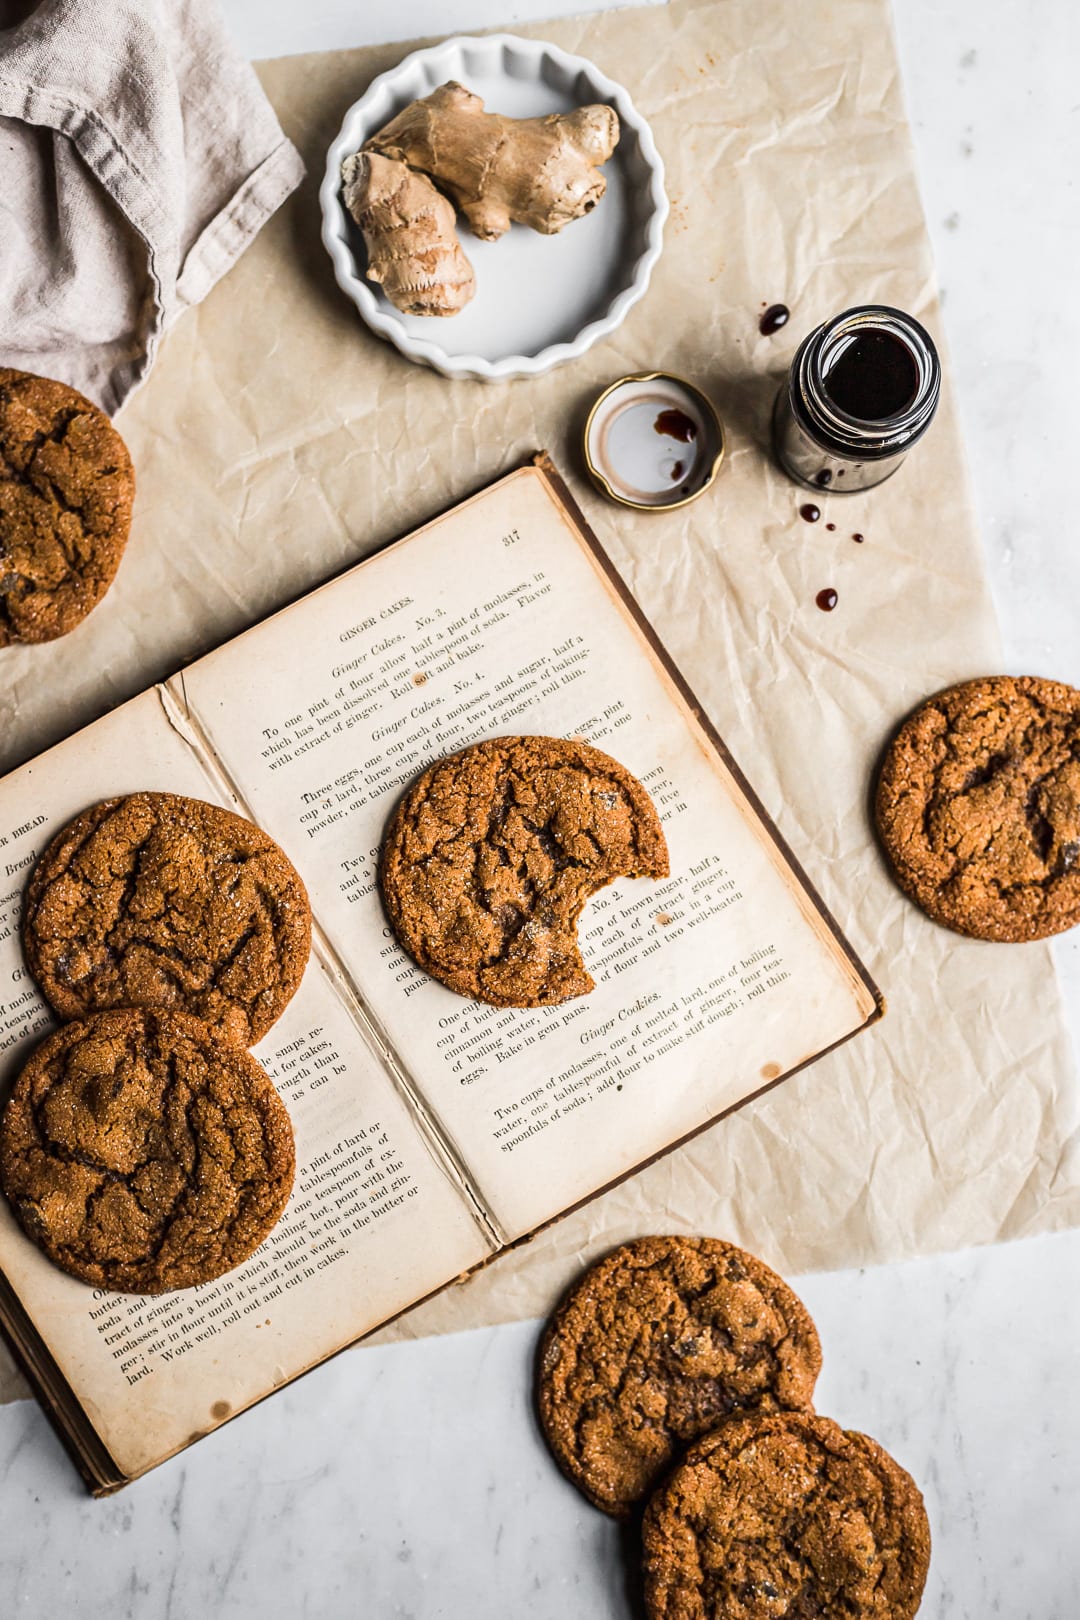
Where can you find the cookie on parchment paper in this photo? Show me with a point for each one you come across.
(660, 1341)
(66, 492)
(492, 853)
(978, 807)
(141, 1152)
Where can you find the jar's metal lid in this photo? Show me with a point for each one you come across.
(653, 441)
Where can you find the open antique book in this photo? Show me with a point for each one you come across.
(432, 1132)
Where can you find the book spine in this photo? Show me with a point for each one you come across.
(183, 720)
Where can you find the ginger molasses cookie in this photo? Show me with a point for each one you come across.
(66, 491)
(786, 1515)
(155, 900)
(142, 1152)
(493, 852)
(659, 1342)
(978, 806)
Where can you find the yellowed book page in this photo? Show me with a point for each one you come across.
(497, 619)
(375, 1220)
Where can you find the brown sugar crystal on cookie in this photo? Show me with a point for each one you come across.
(659, 1342)
(786, 1515)
(978, 807)
(493, 852)
(66, 492)
(155, 900)
(141, 1152)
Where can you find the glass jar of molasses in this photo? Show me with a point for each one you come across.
(862, 389)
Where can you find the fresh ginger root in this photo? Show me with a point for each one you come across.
(541, 172)
(408, 226)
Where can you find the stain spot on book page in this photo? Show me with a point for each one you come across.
(220, 1410)
(770, 1071)
(663, 918)
(419, 679)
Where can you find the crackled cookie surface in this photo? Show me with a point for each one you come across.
(493, 852)
(141, 1152)
(659, 1342)
(155, 900)
(786, 1517)
(66, 492)
(978, 806)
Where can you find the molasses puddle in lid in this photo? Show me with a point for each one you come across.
(862, 389)
(653, 441)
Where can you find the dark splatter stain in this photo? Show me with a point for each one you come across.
(776, 316)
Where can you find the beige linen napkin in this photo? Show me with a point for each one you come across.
(138, 158)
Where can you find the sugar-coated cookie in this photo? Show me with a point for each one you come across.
(155, 900)
(493, 852)
(142, 1152)
(659, 1342)
(978, 807)
(786, 1515)
(66, 493)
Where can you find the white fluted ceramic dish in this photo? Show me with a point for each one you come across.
(540, 300)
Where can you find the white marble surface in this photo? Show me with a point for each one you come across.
(410, 1481)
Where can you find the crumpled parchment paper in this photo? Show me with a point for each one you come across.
(277, 441)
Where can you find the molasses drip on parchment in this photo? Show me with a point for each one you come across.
(776, 316)
(809, 513)
(826, 599)
(677, 425)
(873, 378)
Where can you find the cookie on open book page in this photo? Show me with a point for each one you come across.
(156, 900)
(492, 854)
(141, 1152)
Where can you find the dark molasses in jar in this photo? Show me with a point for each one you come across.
(862, 389)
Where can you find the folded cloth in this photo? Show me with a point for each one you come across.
(138, 158)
